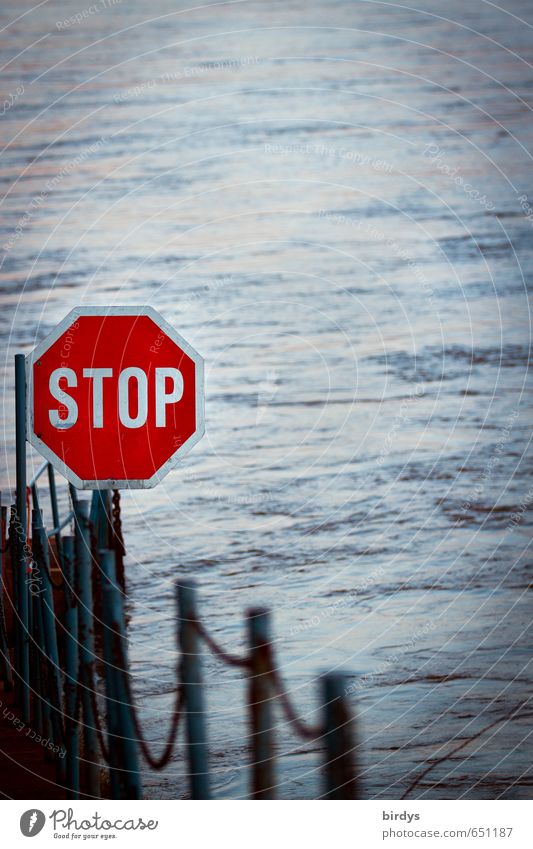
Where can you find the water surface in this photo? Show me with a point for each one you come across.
(330, 202)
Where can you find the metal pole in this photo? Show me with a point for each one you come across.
(36, 647)
(42, 560)
(72, 734)
(193, 691)
(22, 519)
(260, 706)
(120, 709)
(340, 771)
(86, 642)
(7, 676)
(36, 663)
(13, 554)
(100, 517)
(55, 510)
(42, 708)
(112, 709)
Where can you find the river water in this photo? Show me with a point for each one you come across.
(330, 202)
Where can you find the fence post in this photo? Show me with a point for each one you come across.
(261, 705)
(42, 712)
(49, 635)
(23, 688)
(339, 738)
(36, 670)
(191, 679)
(86, 642)
(13, 554)
(55, 511)
(7, 676)
(99, 516)
(110, 672)
(121, 726)
(72, 734)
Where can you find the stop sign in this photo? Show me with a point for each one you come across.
(115, 397)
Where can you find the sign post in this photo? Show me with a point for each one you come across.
(115, 397)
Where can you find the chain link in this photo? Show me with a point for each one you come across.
(308, 732)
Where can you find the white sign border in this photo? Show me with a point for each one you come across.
(112, 483)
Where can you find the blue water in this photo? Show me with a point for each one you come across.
(330, 202)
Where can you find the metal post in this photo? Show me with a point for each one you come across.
(21, 529)
(123, 744)
(5, 660)
(193, 691)
(13, 554)
(42, 708)
(260, 706)
(36, 645)
(73, 494)
(55, 511)
(72, 734)
(112, 709)
(42, 561)
(100, 517)
(339, 738)
(86, 642)
(37, 682)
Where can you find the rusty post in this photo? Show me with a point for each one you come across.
(261, 705)
(339, 738)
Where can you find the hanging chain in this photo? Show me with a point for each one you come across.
(117, 523)
(118, 540)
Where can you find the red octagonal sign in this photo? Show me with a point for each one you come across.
(115, 397)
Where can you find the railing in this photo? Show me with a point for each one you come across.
(65, 705)
(56, 632)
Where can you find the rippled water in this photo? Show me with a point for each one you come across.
(329, 201)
